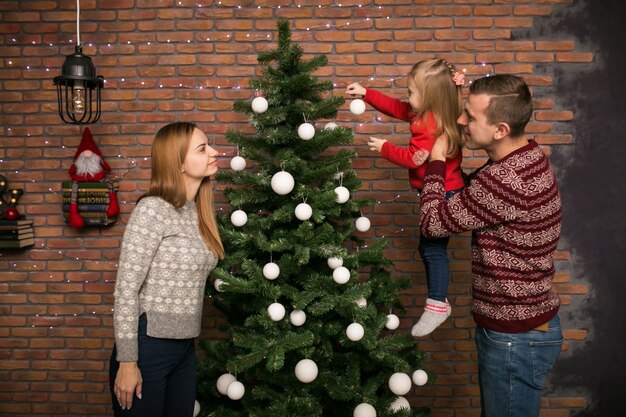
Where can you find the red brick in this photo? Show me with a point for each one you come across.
(64, 285)
(581, 57)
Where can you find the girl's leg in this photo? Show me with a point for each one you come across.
(434, 253)
(437, 309)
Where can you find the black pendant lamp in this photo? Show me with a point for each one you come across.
(78, 86)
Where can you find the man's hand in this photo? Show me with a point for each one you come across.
(440, 149)
(356, 89)
(376, 144)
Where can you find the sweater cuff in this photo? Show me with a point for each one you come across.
(127, 351)
(368, 95)
(384, 150)
(436, 168)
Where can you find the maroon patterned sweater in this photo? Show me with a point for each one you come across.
(513, 209)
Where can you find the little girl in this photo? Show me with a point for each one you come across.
(435, 102)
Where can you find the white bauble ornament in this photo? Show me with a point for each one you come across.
(276, 311)
(238, 218)
(392, 322)
(282, 183)
(357, 106)
(306, 131)
(303, 211)
(361, 302)
(335, 262)
(363, 224)
(420, 377)
(196, 409)
(297, 317)
(330, 126)
(341, 275)
(224, 381)
(217, 284)
(271, 271)
(238, 163)
(400, 383)
(355, 332)
(259, 105)
(306, 371)
(400, 403)
(235, 390)
(343, 194)
(364, 410)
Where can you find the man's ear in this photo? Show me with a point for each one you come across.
(503, 130)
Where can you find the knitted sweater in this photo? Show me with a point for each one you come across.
(422, 140)
(513, 208)
(163, 268)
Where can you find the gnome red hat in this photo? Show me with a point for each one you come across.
(88, 166)
(88, 162)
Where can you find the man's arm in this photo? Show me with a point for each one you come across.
(484, 202)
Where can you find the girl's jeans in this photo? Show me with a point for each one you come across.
(434, 253)
(512, 368)
(168, 370)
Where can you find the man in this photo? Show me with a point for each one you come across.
(513, 208)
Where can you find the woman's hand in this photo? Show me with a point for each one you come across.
(356, 89)
(376, 144)
(127, 383)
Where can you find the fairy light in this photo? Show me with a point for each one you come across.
(132, 164)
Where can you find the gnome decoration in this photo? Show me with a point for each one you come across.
(88, 173)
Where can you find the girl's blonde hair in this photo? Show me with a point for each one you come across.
(169, 150)
(441, 97)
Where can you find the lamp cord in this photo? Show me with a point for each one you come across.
(78, 22)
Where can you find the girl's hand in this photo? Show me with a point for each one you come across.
(440, 149)
(376, 144)
(127, 383)
(355, 89)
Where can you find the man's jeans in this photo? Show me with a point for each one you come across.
(512, 368)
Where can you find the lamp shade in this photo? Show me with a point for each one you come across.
(78, 89)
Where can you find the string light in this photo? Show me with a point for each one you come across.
(223, 38)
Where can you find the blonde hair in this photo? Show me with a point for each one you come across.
(441, 97)
(169, 150)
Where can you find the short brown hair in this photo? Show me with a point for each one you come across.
(509, 102)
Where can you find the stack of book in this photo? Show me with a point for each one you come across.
(93, 202)
(16, 234)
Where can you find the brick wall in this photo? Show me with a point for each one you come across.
(167, 60)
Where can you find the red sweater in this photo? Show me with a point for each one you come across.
(422, 141)
(513, 209)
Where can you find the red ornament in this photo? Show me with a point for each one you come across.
(11, 213)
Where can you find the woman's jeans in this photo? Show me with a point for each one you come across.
(168, 370)
(434, 253)
(512, 368)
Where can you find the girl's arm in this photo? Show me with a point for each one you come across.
(410, 157)
(388, 105)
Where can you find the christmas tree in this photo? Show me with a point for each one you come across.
(308, 305)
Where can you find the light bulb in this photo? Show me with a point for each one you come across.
(78, 99)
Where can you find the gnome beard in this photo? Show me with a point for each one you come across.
(88, 165)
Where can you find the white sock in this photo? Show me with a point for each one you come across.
(435, 313)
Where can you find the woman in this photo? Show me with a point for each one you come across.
(170, 245)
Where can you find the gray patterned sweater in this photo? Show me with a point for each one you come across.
(163, 268)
